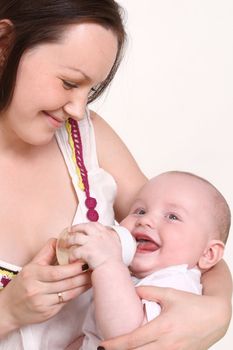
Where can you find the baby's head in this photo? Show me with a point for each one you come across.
(178, 218)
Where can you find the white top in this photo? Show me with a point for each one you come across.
(178, 277)
(58, 332)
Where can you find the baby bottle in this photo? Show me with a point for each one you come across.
(62, 249)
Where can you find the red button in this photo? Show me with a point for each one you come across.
(90, 203)
(92, 215)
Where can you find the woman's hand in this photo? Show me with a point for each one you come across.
(187, 322)
(32, 296)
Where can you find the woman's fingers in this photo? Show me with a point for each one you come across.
(64, 297)
(129, 341)
(68, 284)
(43, 283)
(53, 273)
(163, 296)
(47, 254)
(163, 345)
(135, 340)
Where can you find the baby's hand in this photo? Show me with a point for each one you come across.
(94, 243)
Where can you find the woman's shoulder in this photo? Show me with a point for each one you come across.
(105, 135)
(93, 115)
(98, 122)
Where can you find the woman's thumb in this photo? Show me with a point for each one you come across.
(47, 255)
(157, 294)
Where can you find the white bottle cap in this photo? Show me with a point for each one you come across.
(128, 243)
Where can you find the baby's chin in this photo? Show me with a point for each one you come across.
(141, 272)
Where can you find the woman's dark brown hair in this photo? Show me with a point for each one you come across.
(38, 21)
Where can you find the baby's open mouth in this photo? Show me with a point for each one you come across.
(145, 244)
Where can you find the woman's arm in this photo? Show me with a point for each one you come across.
(217, 283)
(115, 158)
(214, 280)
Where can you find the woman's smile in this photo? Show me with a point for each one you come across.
(54, 121)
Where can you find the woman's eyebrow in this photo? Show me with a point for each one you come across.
(79, 71)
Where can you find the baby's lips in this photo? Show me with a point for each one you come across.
(128, 244)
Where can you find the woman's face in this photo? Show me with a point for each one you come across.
(54, 81)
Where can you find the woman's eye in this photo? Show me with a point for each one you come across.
(93, 90)
(172, 217)
(68, 85)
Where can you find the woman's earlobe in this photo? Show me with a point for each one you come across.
(6, 29)
(6, 36)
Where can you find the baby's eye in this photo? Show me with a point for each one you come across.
(68, 85)
(172, 217)
(140, 211)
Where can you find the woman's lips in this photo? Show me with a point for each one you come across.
(145, 244)
(54, 121)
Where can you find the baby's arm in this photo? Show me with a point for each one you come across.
(118, 309)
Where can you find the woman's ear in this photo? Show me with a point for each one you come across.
(212, 254)
(6, 35)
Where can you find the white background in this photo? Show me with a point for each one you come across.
(172, 100)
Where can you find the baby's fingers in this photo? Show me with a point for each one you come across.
(90, 228)
(77, 238)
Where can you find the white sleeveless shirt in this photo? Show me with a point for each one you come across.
(61, 330)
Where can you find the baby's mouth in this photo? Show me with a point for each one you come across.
(145, 244)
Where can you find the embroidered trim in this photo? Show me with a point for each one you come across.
(75, 142)
(71, 142)
(6, 276)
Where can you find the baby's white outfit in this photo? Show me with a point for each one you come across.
(178, 277)
(61, 330)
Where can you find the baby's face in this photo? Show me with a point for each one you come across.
(171, 221)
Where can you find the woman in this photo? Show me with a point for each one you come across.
(55, 57)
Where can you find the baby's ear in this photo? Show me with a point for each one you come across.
(6, 35)
(212, 254)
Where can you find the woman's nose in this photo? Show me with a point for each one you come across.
(76, 107)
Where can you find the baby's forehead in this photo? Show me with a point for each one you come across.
(180, 180)
(172, 187)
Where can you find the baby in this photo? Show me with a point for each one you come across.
(180, 223)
